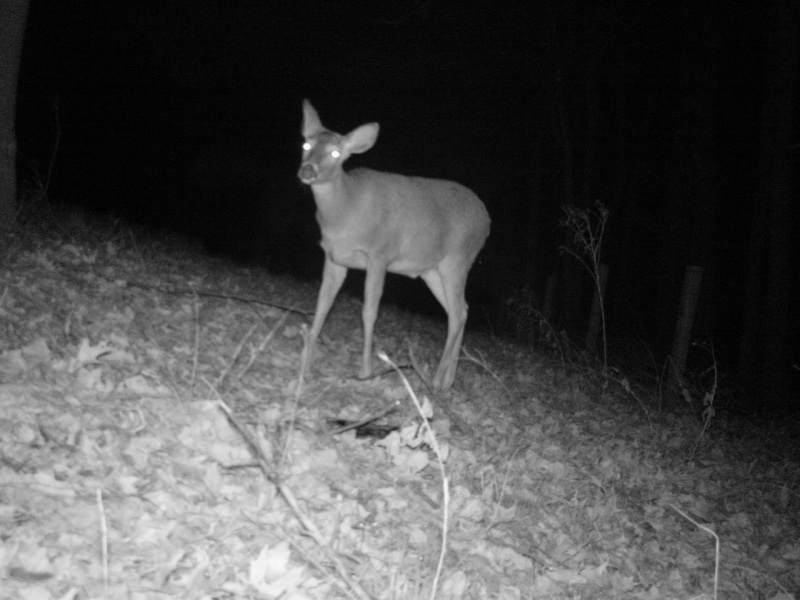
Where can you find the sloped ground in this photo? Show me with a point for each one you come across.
(121, 476)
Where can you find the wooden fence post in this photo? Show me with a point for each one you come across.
(692, 279)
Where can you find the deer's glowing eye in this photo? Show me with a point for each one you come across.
(306, 146)
(335, 153)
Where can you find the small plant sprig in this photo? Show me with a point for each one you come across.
(38, 182)
(588, 227)
(709, 396)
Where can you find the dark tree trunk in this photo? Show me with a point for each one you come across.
(673, 221)
(624, 224)
(533, 262)
(569, 284)
(13, 15)
(702, 21)
(779, 163)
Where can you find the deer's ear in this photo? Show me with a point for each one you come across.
(311, 123)
(361, 139)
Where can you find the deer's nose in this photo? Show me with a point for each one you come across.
(307, 173)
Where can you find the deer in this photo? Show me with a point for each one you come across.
(384, 222)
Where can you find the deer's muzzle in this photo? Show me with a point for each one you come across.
(307, 173)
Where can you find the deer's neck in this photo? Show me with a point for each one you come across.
(335, 199)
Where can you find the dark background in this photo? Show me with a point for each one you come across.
(680, 117)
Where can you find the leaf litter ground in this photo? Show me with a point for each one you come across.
(121, 477)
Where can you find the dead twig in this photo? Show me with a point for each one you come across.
(440, 457)
(210, 294)
(271, 474)
(716, 537)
